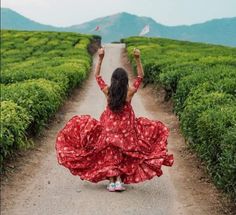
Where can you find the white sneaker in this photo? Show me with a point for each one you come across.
(119, 186)
(111, 187)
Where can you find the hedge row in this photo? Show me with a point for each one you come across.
(14, 121)
(201, 79)
(39, 69)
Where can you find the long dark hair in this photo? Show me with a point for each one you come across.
(117, 92)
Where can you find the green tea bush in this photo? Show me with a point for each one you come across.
(195, 105)
(171, 75)
(188, 83)
(41, 98)
(24, 74)
(14, 122)
(226, 177)
(201, 79)
(216, 144)
(38, 70)
(42, 54)
(211, 126)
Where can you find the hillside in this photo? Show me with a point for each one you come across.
(217, 31)
(14, 21)
(122, 25)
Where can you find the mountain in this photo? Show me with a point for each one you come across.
(13, 20)
(218, 31)
(118, 26)
(121, 25)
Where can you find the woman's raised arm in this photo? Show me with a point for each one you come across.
(138, 62)
(101, 54)
(138, 80)
(103, 86)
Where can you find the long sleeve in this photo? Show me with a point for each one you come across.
(137, 82)
(101, 82)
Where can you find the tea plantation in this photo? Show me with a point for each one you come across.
(201, 79)
(38, 70)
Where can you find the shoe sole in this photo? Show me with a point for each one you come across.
(120, 189)
(111, 190)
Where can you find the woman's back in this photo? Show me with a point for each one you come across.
(120, 122)
(130, 92)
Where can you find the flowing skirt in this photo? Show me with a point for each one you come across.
(89, 151)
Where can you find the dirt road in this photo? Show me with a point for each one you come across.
(39, 186)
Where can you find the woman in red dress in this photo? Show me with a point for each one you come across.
(118, 147)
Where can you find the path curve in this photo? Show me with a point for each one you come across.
(41, 187)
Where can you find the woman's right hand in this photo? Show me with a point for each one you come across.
(101, 53)
(137, 53)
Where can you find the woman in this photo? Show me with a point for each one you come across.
(119, 147)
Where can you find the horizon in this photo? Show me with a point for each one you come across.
(117, 14)
(182, 14)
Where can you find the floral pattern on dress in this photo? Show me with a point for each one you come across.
(118, 144)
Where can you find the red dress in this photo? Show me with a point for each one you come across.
(119, 144)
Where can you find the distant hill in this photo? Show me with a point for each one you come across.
(13, 20)
(121, 25)
(217, 31)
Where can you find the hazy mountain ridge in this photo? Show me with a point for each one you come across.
(13, 20)
(117, 26)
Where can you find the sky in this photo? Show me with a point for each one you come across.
(168, 12)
